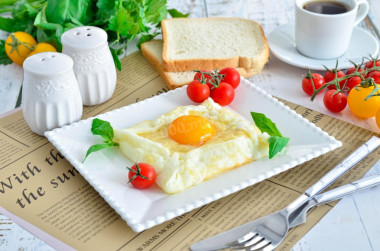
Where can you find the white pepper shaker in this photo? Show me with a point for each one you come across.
(93, 63)
(50, 95)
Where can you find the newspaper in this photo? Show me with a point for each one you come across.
(40, 188)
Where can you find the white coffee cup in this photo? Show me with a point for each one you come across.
(327, 36)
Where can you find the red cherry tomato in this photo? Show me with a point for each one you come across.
(231, 76)
(352, 82)
(198, 75)
(208, 79)
(223, 94)
(375, 75)
(335, 103)
(369, 64)
(330, 75)
(353, 69)
(307, 85)
(142, 175)
(197, 91)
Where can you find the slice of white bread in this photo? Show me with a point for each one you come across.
(210, 43)
(152, 51)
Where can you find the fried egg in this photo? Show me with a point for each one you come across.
(193, 143)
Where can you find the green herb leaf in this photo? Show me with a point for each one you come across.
(4, 59)
(265, 124)
(103, 129)
(121, 22)
(276, 144)
(116, 59)
(61, 11)
(22, 10)
(12, 25)
(106, 9)
(145, 38)
(175, 13)
(276, 141)
(155, 11)
(95, 148)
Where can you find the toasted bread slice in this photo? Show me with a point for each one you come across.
(152, 51)
(210, 43)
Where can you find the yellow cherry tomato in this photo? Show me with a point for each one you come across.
(18, 45)
(378, 118)
(361, 107)
(42, 47)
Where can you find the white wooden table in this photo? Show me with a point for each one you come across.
(353, 224)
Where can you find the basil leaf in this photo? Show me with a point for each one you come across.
(265, 124)
(4, 59)
(276, 144)
(61, 11)
(103, 129)
(175, 13)
(95, 148)
(276, 141)
(12, 25)
(22, 10)
(106, 9)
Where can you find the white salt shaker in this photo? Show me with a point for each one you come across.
(50, 95)
(93, 63)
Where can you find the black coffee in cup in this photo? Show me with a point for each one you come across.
(326, 7)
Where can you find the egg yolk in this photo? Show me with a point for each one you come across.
(191, 130)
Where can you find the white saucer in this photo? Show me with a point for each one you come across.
(282, 44)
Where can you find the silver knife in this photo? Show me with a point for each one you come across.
(222, 240)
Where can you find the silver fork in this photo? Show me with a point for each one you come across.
(272, 229)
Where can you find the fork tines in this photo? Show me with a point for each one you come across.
(252, 241)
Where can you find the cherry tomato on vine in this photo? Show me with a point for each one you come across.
(223, 94)
(197, 91)
(375, 75)
(359, 106)
(18, 45)
(335, 103)
(352, 82)
(207, 77)
(353, 69)
(231, 76)
(141, 175)
(369, 64)
(307, 85)
(330, 75)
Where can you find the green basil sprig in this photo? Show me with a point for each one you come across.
(105, 130)
(276, 141)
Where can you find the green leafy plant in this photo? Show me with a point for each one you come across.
(123, 20)
(4, 59)
(105, 130)
(276, 141)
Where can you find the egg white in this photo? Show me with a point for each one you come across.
(178, 167)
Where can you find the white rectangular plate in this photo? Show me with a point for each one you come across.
(141, 209)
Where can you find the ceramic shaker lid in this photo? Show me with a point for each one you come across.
(48, 64)
(84, 38)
